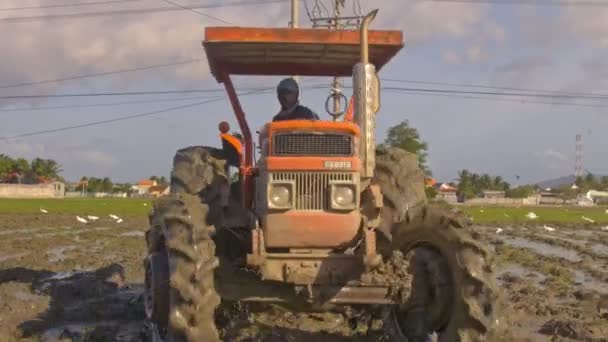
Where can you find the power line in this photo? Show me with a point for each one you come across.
(114, 72)
(160, 92)
(95, 123)
(573, 104)
(489, 93)
(320, 86)
(101, 104)
(218, 98)
(132, 11)
(197, 12)
(463, 85)
(530, 2)
(122, 118)
(133, 93)
(78, 4)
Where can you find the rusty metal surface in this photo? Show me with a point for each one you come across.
(285, 51)
(239, 285)
(312, 268)
(310, 229)
(246, 167)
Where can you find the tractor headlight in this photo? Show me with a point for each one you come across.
(343, 196)
(280, 196)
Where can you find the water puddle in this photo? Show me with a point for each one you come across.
(542, 248)
(600, 249)
(5, 257)
(22, 231)
(134, 233)
(520, 272)
(580, 243)
(588, 282)
(58, 254)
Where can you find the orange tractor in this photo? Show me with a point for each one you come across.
(323, 219)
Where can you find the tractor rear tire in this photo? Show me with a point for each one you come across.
(183, 225)
(453, 293)
(402, 184)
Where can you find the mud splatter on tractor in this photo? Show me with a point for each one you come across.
(323, 219)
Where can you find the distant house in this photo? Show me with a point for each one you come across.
(446, 192)
(143, 186)
(158, 190)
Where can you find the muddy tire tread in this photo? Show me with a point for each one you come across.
(188, 217)
(472, 316)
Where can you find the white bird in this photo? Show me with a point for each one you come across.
(481, 210)
(146, 204)
(498, 231)
(80, 219)
(119, 220)
(605, 229)
(588, 219)
(93, 218)
(551, 229)
(531, 215)
(114, 216)
(606, 211)
(44, 211)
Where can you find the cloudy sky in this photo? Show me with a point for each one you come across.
(560, 49)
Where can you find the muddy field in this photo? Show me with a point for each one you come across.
(63, 280)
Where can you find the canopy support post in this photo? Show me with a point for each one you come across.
(246, 167)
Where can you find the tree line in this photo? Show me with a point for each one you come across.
(20, 170)
(94, 184)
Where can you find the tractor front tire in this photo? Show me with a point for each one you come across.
(183, 225)
(452, 294)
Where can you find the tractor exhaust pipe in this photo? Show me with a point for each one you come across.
(363, 31)
(366, 104)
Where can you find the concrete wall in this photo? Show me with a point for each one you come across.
(534, 200)
(52, 190)
(75, 194)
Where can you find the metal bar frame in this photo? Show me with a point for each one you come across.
(246, 168)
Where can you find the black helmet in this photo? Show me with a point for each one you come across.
(288, 84)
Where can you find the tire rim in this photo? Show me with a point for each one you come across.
(440, 301)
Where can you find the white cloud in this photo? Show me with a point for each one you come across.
(55, 49)
(451, 57)
(474, 54)
(554, 155)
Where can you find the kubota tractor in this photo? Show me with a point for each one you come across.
(324, 219)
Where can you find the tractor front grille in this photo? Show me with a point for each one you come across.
(311, 144)
(312, 188)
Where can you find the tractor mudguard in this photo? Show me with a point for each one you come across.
(233, 148)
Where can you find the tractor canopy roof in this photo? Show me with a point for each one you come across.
(294, 51)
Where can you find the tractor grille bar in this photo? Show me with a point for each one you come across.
(312, 188)
(308, 144)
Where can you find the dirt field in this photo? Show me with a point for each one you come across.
(62, 280)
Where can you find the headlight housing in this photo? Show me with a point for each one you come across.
(344, 196)
(280, 195)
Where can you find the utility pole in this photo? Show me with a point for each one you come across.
(294, 23)
(336, 83)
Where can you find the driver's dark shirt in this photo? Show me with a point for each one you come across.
(299, 113)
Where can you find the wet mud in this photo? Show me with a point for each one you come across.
(61, 280)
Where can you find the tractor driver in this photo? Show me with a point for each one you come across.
(288, 92)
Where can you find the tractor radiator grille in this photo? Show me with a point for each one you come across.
(312, 188)
(308, 144)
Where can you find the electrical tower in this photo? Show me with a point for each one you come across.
(578, 164)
